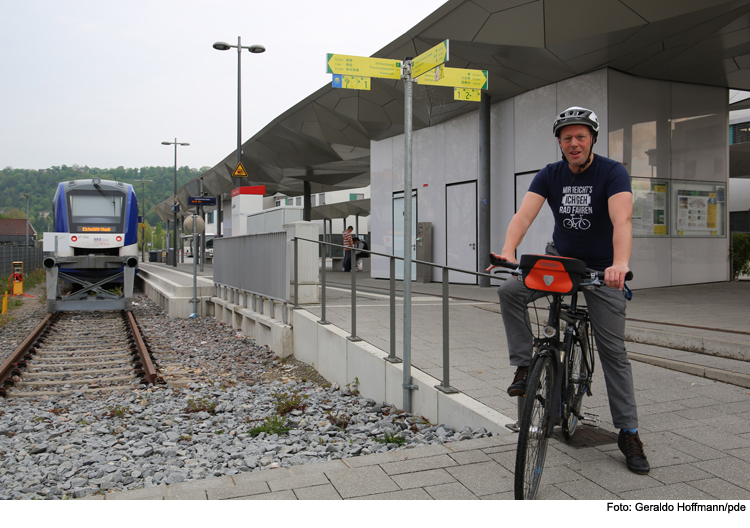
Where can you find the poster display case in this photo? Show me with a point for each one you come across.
(699, 209)
(650, 211)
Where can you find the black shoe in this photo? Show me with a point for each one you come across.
(632, 447)
(518, 387)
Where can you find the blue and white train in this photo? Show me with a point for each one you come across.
(98, 217)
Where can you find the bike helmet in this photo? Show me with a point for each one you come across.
(575, 115)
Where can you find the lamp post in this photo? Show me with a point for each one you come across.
(143, 217)
(175, 207)
(27, 218)
(255, 48)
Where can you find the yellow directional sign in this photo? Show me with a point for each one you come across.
(430, 59)
(363, 66)
(458, 78)
(239, 172)
(467, 94)
(351, 82)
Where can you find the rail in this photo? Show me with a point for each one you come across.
(445, 385)
(22, 354)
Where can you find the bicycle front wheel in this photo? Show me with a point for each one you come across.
(532, 435)
(577, 381)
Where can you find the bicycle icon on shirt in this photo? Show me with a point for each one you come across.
(578, 222)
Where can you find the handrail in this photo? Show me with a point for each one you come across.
(445, 383)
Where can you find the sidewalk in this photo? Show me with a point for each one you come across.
(696, 430)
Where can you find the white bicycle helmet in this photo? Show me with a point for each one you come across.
(576, 115)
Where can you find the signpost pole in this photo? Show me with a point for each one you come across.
(408, 87)
(195, 270)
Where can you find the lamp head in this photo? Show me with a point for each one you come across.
(256, 48)
(221, 46)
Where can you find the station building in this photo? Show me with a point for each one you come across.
(658, 75)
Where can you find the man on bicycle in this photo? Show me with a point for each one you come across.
(591, 200)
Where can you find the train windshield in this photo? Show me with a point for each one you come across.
(91, 211)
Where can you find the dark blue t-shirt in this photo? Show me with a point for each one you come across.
(583, 228)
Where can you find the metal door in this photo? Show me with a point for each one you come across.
(398, 233)
(461, 231)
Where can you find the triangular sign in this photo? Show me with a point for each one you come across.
(239, 172)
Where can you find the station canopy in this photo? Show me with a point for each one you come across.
(524, 45)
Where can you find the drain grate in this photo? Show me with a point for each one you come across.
(587, 436)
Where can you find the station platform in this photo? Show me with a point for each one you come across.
(689, 347)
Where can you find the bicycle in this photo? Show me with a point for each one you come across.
(562, 367)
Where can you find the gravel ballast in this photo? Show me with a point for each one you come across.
(223, 419)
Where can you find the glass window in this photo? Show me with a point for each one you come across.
(298, 201)
(650, 214)
(322, 199)
(699, 209)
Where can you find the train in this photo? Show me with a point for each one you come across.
(97, 218)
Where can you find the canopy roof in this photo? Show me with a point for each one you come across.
(524, 45)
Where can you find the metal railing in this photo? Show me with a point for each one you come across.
(254, 265)
(445, 385)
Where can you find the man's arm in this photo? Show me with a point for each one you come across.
(620, 212)
(530, 207)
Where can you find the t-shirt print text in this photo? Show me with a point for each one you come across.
(576, 202)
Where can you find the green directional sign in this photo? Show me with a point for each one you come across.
(430, 59)
(458, 78)
(363, 66)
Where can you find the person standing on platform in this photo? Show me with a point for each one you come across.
(348, 245)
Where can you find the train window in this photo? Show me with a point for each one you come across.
(94, 211)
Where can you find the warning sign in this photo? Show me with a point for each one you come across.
(239, 172)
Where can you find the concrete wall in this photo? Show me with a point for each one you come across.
(657, 129)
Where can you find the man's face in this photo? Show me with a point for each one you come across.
(575, 142)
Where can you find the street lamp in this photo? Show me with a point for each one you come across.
(175, 207)
(27, 217)
(143, 217)
(255, 48)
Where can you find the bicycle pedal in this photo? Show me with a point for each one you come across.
(590, 419)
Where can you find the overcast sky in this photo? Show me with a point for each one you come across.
(103, 82)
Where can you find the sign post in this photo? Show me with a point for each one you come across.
(427, 69)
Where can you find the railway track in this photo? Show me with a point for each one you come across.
(70, 352)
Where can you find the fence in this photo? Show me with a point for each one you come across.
(445, 385)
(254, 265)
(31, 257)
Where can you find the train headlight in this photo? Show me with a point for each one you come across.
(118, 238)
(74, 238)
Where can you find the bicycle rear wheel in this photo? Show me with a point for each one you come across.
(578, 379)
(532, 435)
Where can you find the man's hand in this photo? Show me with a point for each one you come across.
(614, 276)
(507, 258)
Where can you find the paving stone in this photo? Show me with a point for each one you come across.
(614, 476)
(730, 469)
(325, 492)
(358, 482)
(418, 464)
(410, 494)
(721, 489)
(421, 479)
(450, 491)
(585, 490)
(246, 489)
(470, 457)
(278, 495)
(372, 460)
(679, 491)
(678, 473)
(152, 493)
(301, 481)
(483, 478)
(427, 451)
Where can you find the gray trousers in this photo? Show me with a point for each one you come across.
(607, 312)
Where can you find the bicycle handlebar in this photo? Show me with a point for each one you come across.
(594, 274)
